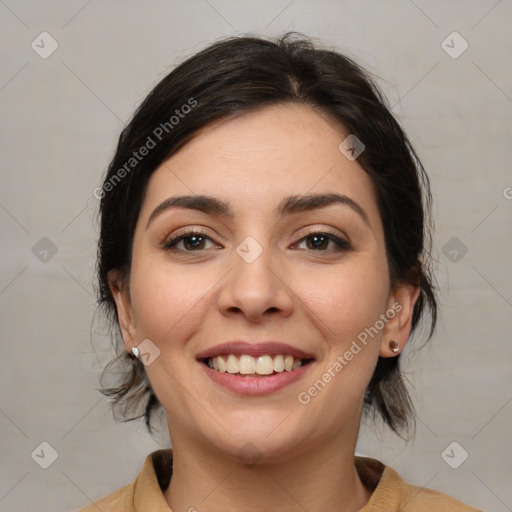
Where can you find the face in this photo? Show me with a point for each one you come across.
(262, 265)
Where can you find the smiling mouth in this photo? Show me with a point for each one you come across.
(248, 366)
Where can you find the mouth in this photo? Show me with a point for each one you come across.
(246, 365)
(253, 369)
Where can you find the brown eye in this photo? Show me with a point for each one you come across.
(319, 242)
(193, 241)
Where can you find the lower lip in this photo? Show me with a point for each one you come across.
(253, 386)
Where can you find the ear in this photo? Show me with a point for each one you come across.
(121, 293)
(400, 309)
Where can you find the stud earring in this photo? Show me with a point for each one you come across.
(394, 346)
(135, 352)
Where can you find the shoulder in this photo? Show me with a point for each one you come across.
(122, 499)
(421, 499)
(146, 489)
(391, 493)
(417, 499)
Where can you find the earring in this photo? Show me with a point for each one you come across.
(394, 346)
(135, 352)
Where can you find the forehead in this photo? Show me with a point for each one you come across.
(256, 159)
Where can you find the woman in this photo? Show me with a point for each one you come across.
(264, 252)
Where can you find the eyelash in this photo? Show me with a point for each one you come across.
(342, 244)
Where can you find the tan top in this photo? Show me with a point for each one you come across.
(390, 492)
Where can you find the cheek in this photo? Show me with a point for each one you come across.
(346, 300)
(167, 302)
(345, 305)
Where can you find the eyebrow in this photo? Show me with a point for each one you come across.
(289, 205)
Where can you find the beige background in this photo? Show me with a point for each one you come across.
(61, 117)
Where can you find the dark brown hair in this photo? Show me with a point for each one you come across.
(238, 75)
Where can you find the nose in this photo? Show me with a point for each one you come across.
(256, 289)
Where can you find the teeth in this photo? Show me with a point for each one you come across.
(249, 365)
(232, 365)
(279, 363)
(264, 365)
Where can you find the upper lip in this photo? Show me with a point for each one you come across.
(254, 349)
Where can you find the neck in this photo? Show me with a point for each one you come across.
(323, 479)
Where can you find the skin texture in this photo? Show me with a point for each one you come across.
(317, 299)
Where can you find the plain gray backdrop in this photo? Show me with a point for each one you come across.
(62, 113)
